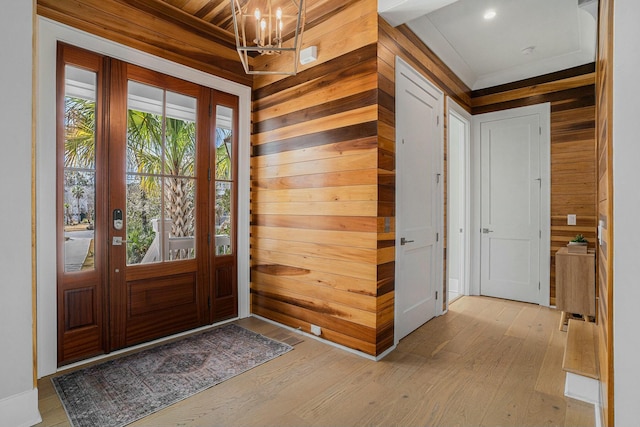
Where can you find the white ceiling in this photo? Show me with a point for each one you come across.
(486, 53)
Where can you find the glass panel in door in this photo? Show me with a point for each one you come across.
(79, 169)
(161, 180)
(224, 181)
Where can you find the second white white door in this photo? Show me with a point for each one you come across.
(511, 183)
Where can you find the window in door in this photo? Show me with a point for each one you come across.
(161, 181)
(79, 169)
(224, 180)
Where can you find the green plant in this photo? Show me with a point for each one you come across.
(579, 239)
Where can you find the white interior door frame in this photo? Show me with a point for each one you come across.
(455, 110)
(544, 111)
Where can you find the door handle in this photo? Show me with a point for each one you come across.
(486, 230)
(118, 241)
(404, 241)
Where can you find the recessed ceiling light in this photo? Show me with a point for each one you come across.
(490, 14)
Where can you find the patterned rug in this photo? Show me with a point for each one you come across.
(123, 390)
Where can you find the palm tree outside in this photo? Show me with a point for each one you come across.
(161, 165)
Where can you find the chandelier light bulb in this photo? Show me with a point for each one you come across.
(267, 23)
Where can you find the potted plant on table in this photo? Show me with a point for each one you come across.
(578, 245)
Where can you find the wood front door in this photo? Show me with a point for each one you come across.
(146, 205)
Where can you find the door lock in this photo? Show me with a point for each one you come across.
(486, 230)
(117, 219)
(404, 241)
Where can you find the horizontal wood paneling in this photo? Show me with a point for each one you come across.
(333, 34)
(573, 164)
(315, 188)
(156, 28)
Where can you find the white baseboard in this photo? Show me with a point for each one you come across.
(582, 388)
(20, 410)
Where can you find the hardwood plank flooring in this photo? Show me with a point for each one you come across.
(487, 362)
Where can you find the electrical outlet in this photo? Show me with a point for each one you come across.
(316, 330)
(571, 219)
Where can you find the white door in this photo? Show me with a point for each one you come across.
(418, 203)
(458, 124)
(511, 182)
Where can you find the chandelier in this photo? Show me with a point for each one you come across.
(269, 37)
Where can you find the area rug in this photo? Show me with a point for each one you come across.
(121, 391)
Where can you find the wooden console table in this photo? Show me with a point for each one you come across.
(575, 283)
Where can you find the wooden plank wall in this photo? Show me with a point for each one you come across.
(604, 129)
(573, 165)
(156, 28)
(314, 195)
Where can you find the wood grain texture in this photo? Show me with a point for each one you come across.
(580, 350)
(487, 362)
(604, 132)
(315, 188)
(575, 274)
(573, 162)
(156, 28)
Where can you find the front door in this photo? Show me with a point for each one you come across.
(146, 205)
(418, 139)
(510, 206)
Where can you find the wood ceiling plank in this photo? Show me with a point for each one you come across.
(125, 24)
(185, 19)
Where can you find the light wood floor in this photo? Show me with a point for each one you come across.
(488, 362)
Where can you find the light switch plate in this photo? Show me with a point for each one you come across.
(571, 219)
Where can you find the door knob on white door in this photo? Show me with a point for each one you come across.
(404, 241)
(486, 230)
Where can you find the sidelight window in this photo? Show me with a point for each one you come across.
(224, 180)
(79, 169)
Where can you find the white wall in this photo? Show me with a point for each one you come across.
(18, 399)
(626, 209)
